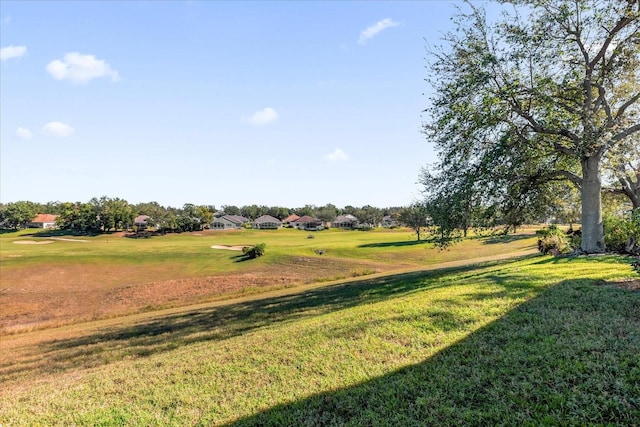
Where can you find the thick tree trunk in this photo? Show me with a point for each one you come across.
(592, 229)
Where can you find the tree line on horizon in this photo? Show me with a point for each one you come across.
(106, 214)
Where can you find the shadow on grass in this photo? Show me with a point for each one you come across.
(65, 233)
(395, 244)
(506, 238)
(8, 230)
(570, 356)
(595, 258)
(158, 335)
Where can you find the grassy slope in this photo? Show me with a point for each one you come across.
(535, 341)
(106, 276)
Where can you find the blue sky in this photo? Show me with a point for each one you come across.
(217, 103)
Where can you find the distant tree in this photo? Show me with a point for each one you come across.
(254, 211)
(52, 208)
(230, 209)
(80, 217)
(306, 210)
(370, 215)
(153, 210)
(204, 215)
(326, 213)
(350, 210)
(112, 214)
(278, 212)
(18, 214)
(416, 217)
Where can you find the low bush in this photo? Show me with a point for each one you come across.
(256, 251)
(622, 235)
(552, 238)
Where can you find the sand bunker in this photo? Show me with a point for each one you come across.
(227, 247)
(32, 242)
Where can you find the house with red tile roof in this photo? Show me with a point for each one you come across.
(43, 221)
(288, 220)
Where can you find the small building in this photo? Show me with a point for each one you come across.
(287, 222)
(47, 221)
(141, 221)
(267, 222)
(348, 222)
(389, 222)
(228, 222)
(308, 223)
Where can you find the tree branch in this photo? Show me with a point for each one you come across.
(625, 133)
(627, 104)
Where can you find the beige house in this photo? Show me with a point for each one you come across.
(267, 222)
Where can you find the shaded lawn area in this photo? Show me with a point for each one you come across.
(160, 334)
(571, 356)
(538, 341)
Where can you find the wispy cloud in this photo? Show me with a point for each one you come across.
(337, 156)
(23, 133)
(375, 29)
(79, 68)
(10, 52)
(57, 129)
(263, 117)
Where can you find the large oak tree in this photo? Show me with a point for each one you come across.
(549, 91)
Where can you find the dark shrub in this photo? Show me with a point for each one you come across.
(256, 251)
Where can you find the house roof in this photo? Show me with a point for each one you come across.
(141, 219)
(45, 218)
(306, 219)
(291, 218)
(236, 219)
(346, 218)
(267, 219)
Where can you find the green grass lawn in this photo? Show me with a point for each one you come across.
(74, 279)
(535, 341)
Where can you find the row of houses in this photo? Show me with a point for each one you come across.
(267, 222)
(222, 221)
(306, 222)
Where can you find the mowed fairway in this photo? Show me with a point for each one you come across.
(377, 331)
(83, 278)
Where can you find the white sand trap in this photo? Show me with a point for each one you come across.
(227, 247)
(32, 242)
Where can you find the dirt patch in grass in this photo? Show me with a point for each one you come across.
(633, 284)
(55, 295)
(33, 242)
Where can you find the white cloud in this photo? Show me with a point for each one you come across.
(78, 68)
(376, 28)
(23, 133)
(10, 52)
(263, 117)
(337, 156)
(57, 129)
